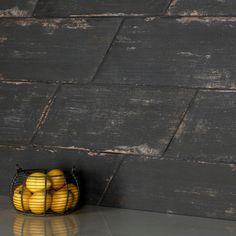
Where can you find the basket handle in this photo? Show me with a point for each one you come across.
(18, 168)
(73, 170)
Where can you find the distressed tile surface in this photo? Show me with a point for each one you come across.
(118, 119)
(98, 7)
(17, 8)
(192, 52)
(202, 7)
(94, 171)
(21, 107)
(54, 49)
(174, 187)
(208, 132)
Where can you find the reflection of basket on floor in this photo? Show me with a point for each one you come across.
(60, 226)
(45, 192)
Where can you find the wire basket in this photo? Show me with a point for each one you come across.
(41, 192)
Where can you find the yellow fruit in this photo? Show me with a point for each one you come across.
(57, 178)
(37, 202)
(75, 191)
(25, 194)
(38, 181)
(61, 201)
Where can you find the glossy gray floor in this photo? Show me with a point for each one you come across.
(102, 221)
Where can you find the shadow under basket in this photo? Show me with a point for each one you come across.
(40, 192)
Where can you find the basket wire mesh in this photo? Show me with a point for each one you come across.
(41, 192)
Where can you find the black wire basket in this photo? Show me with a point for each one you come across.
(44, 192)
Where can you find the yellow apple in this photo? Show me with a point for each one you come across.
(61, 201)
(25, 194)
(38, 202)
(57, 178)
(38, 181)
(75, 191)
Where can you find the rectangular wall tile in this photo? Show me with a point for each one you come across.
(95, 171)
(115, 119)
(67, 50)
(208, 132)
(189, 52)
(21, 107)
(199, 189)
(17, 8)
(202, 8)
(67, 8)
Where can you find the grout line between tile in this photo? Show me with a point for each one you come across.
(116, 16)
(87, 84)
(22, 147)
(44, 114)
(167, 8)
(110, 181)
(35, 7)
(108, 50)
(181, 121)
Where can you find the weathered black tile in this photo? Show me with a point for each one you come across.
(199, 189)
(54, 49)
(118, 119)
(208, 132)
(96, 7)
(193, 52)
(95, 171)
(21, 107)
(202, 8)
(17, 8)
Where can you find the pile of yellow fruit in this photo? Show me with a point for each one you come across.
(46, 191)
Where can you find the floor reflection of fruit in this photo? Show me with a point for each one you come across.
(49, 226)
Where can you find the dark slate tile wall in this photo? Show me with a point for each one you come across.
(189, 52)
(21, 108)
(115, 119)
(54, 49)
(202, 8)
(95, 171)
(208, 132)
(151, 129)
(67, 8)
(17, 8)
(174, 187)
